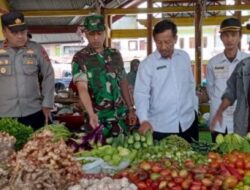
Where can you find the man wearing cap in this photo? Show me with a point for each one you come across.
(100, 78)
(219, 69)
(21, 61)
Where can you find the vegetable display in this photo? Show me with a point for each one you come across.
(16, 129)
(43, 163)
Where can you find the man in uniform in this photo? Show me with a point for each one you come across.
(21, 62)
(219, 69)
(100, 78)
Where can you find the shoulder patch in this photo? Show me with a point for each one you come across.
(45, 55)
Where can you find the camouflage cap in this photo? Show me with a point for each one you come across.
(14, 20)
(94, 23)
(230, 24)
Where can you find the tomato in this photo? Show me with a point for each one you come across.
(247, 165)
(206, 182)
(195, 187)
(186, 183)
(178, 180)
(230, 182)
(141, 185)
(163, 184)
(145, 166)
(177, 187)
(171, 184)
(214, 164)
(183, 173)
(165, 172)
(157, 168)
(149, 182)
(213, 155)
(240, 164)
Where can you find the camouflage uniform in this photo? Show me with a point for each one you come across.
(103, 72)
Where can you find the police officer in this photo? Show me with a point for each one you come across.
(219, 70)
(21, 61)
(100, 78)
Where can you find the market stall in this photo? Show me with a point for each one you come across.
(54, 158)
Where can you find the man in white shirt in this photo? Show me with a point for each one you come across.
(219, 69)
(164, 92)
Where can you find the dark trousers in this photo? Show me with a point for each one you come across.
(214, 134)
(36, 120)
(191, 133)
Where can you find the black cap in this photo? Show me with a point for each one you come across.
(14, 21)
(230, 24)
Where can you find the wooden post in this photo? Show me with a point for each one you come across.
(198, 41)
(4, 7)
(149, 29)
(238, 15)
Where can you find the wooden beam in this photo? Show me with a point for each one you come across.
(142, 33)
(129, 33)
(189, 21)
(122, 11)
(149, 31)
(38, 29)
(57, 13)
(198, 41)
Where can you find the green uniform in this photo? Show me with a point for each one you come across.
(103, 72)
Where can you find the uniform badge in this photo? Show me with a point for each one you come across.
(109, 59)
(18, 21)
(30, 51)
(6, 61)
(2, 51)
(3, 70)
(29, 62)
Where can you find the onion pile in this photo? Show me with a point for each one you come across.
(44, 164)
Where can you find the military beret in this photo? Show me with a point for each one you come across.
(230, 24)
(94, 23)
(14, 21)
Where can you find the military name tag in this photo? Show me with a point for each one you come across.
(6, 61)
(221, 71)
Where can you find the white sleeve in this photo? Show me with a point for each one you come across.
(191, 75)
(210, 80)
(142, 91)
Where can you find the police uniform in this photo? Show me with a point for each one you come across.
(20, 94)
(103, 72)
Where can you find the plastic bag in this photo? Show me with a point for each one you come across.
(94, 167)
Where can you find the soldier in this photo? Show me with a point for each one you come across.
(100, 78)
(21, 62)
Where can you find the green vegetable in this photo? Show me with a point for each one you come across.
(59, 131)
(219, 139)
(18, 130)
(149, 138)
